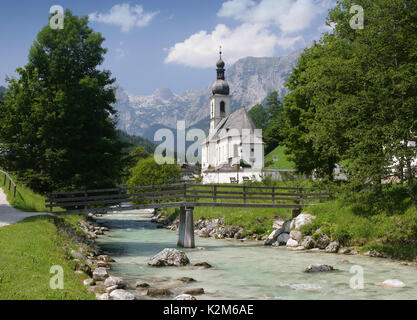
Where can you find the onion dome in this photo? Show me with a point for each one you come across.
(220, 86)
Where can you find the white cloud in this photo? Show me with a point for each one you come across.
(202, 48)
(289, 15)
(266, 26)
(124, 16)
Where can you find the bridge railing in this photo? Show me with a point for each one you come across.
(183, 194)
(10, 181)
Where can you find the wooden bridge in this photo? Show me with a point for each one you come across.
(186, 197)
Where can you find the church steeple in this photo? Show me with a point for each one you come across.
(220, 86)
(220, 67)
(220, 104)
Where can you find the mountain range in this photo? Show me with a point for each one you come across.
(250, 79)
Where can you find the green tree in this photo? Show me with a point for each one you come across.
(259, 116)
(57, 122)
(354, 95)
(272, 134)
(148, 172)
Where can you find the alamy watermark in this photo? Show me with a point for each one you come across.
(357, 281)
(57, 280)
(357, 21)
(57, 20)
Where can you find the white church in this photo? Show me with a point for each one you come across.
(233, 152)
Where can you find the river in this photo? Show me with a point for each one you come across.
(245, 270)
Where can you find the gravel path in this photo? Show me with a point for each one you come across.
(9, 215)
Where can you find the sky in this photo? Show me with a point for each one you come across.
(169, 43)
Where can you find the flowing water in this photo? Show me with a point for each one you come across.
(245, 270)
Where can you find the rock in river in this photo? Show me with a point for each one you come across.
(154, 292)
(121, 294)
(205, 265)
(169, 257)
(185, 297)
(392, 283)
(100, 274)
(194, 291)
(318, 268)
(332, 247)
(114, 281)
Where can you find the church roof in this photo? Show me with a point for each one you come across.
(237, 121)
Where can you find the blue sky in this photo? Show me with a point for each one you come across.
(170, 43)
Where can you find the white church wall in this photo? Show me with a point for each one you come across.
(224, 177)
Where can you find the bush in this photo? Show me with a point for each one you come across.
(148, 172)
(342, 235)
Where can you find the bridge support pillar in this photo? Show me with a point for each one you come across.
(181, 228)
(189, 228)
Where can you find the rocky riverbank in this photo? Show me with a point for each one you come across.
(286, 233)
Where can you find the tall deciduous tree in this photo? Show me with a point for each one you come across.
(355, 93)
(57, 123)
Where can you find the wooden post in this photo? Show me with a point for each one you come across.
(273, 195)
(181, 228)
(214, 194)
(185, 193)
(301, 196)
(4, 183)
(86, 199)
(10, 184)
(14, 192)
(153, 195)
(189, 228)
(244, 194)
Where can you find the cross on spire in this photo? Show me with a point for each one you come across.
(220, 52)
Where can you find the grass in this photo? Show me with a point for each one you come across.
(387, 225)
(282, 163)
(28, 250)
(26, 199)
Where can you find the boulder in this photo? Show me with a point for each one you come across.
(296, 235)
(104, 296)
(112, 288)
(308, 242)
(392, 283)
(185, 297)
(142, 285)
(292, 243)
(169, 257)
(332, 247)
(301, 220)
(274, 234)
(120, 294)
(278, 223)
(186, 279)
(287, 226)
(77, 255)
(283, 239)
(323, 241)
(154, 292)
(344, 250)
(89, 282)
(194, 291)
(205, 265)
(318, 268)
(100, 274)
(114, 281)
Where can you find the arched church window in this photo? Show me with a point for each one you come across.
(222, 109)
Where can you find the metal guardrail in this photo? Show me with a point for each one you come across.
(183, 194)
(11, 182)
